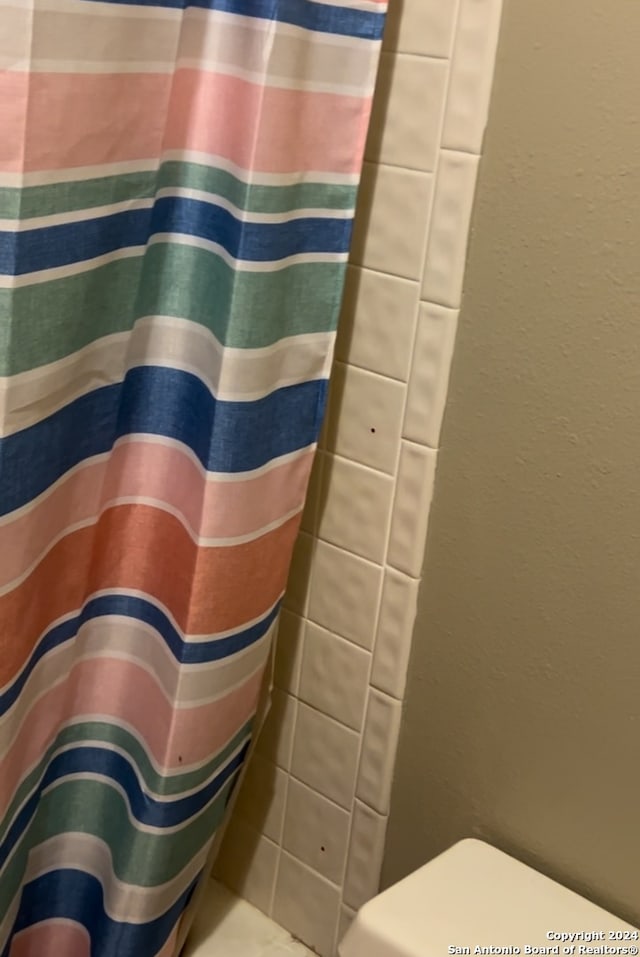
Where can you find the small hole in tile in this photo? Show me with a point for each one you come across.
(322, 847)
(372, 429)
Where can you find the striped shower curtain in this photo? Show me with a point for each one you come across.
(177, 183)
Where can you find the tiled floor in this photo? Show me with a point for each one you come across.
(229, 927)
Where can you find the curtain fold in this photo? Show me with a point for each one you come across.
(177, 187)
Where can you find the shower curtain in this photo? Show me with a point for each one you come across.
(177, 184)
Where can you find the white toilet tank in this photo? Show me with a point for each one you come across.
(473, 901)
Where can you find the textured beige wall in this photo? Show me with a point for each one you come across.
(523, 717)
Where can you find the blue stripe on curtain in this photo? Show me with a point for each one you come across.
(53, 246)
(71, 895)
(114, 768)
(301, 13)
(225, 436)
(140, 609)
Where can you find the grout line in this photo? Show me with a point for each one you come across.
(362, 465)
(418, 56)
(347, 727)
(313, 871)
(385, 272)
(348, 551)
(381, 272)
(355, 365)
(403, 166)
(360, 744)
(423, 301)
(461, 150)
(379, 375)
(331, 801)
(337, 634)
(418, 445)
(387, 693)
(454, 34)
(376, 164)
(287, 771)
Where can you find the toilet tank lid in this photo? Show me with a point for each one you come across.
(475, 900)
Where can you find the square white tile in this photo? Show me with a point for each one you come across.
(297, 593)
(449, 234)
(379, 746)
(407, 111)
(344, 594)
(378, 321)
(307, 905)
(261, 799)
(275, 740)
(365, 418)
(229, 926)
(316, 831)
(335, 676)
(289, 648)
(429, 381)
(414, 491)
(325, 755)
(472, 74)
(420, 26)
(394, 634)
(346, 919)
(366, 850)
(356, 507)
(391, 220)
(247, 863)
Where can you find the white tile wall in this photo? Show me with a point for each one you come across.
(365, 417)
(316, 831)
(395, 626)
(378, 751)
(316, 818)
(444, 269)
(378, 316)
(394, 136)
(391, 220)
(366, 850)
(335, 676)
(356, 507)
(306, 904)
(427, 392)
(471, 74)
(420, 26)
(325, 755)
(344, 923)
(414, 489)
(344, 594)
